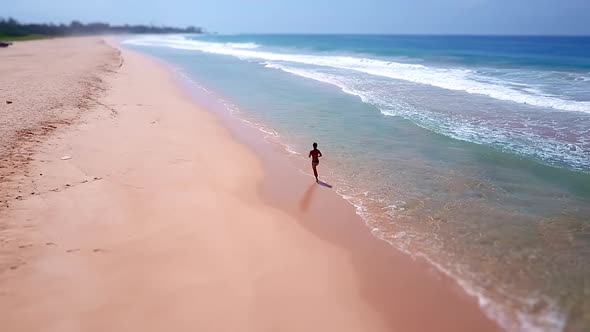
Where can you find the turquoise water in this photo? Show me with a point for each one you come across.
(473, 152)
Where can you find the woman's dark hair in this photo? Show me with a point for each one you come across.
(315, 145)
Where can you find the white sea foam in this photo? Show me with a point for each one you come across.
(248, 46)
(447, 78)
(549, 150)
(551, 319)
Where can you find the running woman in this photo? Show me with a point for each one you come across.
(315, 155)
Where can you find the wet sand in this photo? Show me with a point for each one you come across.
(160, 217)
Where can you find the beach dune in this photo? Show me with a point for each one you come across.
(149, 215)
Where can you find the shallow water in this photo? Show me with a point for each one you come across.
(493, 191)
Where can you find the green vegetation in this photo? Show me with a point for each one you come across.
(12, 30)
(21, 38)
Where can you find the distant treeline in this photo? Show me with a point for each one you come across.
(11, 27)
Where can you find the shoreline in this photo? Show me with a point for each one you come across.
(142, 237)
(509, 288)
(276, 156)
(280, 170)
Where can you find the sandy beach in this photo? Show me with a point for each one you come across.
(126, 206)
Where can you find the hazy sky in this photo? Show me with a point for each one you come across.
(327, 16)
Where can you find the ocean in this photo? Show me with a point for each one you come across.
(470, 151)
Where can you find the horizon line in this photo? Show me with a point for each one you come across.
(416, 34)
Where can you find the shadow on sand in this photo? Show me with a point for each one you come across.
(307, 196)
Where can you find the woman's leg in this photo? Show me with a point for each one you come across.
(315, 170)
